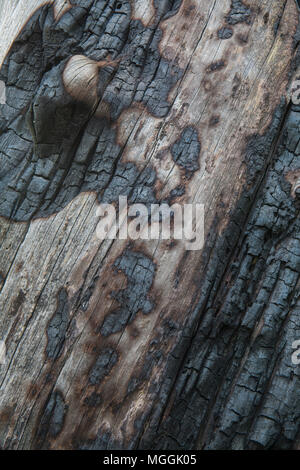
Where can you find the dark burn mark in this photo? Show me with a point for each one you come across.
(266, 18)
(85, 298)
(52, 420)
(33, 390)
(225, 33)
(53, 147)
(127, 181)
(103, 441)
(242, 39)
(188, 10)
(19, 266)
(6, 415)
(181, 269)
(258, 147)
(215, 66)
(214, 120)
(167, 8)
(236, 85)
(186, 151)
(170, 328)
(251, 277)
(151, 360)
(153, 357)
(57, 327)
(175, 194)
(17, 302)
(276, 25)
(106, 360)
(239, 13)
(94, 400)
(139, 271)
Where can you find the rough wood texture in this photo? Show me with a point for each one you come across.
(146, 345)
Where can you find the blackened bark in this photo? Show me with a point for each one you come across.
(136, 345)
(237, 387)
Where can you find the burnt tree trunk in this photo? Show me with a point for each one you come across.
(145, 345)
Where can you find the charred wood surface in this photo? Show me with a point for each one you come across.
(145, 345)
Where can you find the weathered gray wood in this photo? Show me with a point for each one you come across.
(146, 345)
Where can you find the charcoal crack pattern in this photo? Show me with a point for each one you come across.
(57, 133)
(245, 384)
(139, 271)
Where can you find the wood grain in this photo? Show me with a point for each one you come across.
(101, 337)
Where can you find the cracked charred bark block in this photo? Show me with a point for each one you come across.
(142, 344)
